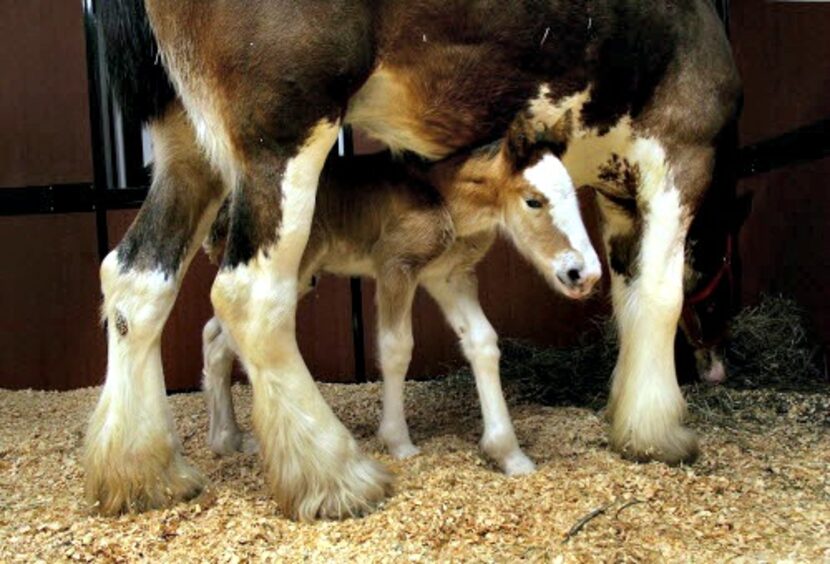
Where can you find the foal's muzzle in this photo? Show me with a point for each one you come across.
(575, 277)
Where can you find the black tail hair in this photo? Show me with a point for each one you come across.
(137, 77)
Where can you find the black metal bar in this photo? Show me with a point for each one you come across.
(358, 330)
(346, 150)
(804, 144)
(723, 9)
(99, 122)
(67, 198)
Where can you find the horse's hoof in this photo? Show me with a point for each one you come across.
(365, 484)
(674, 446)
(140, 484)
(346, 488)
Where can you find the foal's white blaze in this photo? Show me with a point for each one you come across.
(550, 177)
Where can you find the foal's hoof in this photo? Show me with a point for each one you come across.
(675, 446)
(228, 443)
(140, 484)
(518, 464)
(404, 451)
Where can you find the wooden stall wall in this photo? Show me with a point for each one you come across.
(783, 53)
(49, 332)
(50, 335)
(44, 131)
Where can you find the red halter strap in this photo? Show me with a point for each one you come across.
(725, 271)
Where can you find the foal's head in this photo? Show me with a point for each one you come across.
(527, 189)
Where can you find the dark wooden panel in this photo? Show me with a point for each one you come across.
(784, 243)
(324, 321)
(50, 337)
(43, 100)
(783, 54)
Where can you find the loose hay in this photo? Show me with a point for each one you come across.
(760, 491)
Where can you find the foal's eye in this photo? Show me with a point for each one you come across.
(535, 204)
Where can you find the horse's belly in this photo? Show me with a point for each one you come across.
(450, 98)
(385, 109)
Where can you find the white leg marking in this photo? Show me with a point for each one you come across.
(646, 405)
(458, 299)
(132, 455)
(395, 347)
(224, 435)
(312, 463)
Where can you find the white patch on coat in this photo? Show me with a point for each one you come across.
(646, 402)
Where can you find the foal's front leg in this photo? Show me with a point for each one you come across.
(132, 456)
(457, 295)
(313, 465)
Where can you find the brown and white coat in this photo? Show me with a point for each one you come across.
(649, 86)
(411, 224)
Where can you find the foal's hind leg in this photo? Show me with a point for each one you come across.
(457, 295)
(224, 434)
(645, 243)
(394, 295)
(132, 456)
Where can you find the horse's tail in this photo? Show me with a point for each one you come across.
(137, 77)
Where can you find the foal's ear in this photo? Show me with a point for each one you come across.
(528, 138)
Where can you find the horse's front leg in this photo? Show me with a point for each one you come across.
(645, 243)
(132, 456)
(313, 465)
(457, 296)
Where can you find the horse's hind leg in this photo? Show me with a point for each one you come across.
(313, 465)
(132, 456)
(645, 242)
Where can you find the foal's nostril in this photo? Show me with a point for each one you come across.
(574, 275)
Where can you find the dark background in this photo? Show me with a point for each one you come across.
(50, 337)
